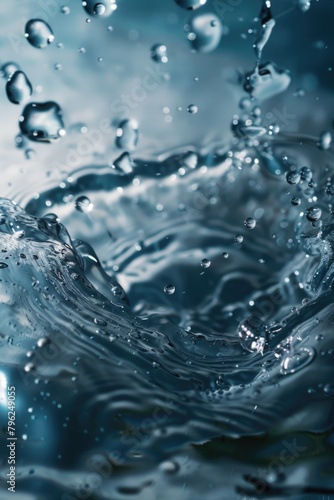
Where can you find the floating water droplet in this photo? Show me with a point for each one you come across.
(159, 53)
(123, 164)
(169, 467)
(313, 214)
(38, 33)
(303, 5)
(3, 265)
(250, 223)
(296, 201)
(267, 81)
(65, 10)
(102, 8)
(329, 389)
(292, 177)
(205, 263)
(192, 109)
(83, 204)
(204, 32)
(18, 88)
(190, 4)
(8, 69)
(268, 24)
(225, 255)
(238, 238)
(306, 174)
(127, 135)
(252, 333)
(297, 360)
(29, 367)
(169, 289)
(42, 121)
(325, 141)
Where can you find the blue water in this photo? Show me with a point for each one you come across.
(166, 249)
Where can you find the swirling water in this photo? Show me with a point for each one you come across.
(167, 319)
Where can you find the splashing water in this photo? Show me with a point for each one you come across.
(166, 317)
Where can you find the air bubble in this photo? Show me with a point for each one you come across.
(250, 223)
(313, 214)
(205, 263)
(169, 289)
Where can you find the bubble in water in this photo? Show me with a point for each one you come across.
(204, 32)
(42, 121)
(103, 8)
(18, 88)
(292, 177)
(238, 238)
(313, 214)
(205, 263)
(159, 53)
(250, 223)
(297, 360)
(192, 109)
(83, 204)
(8, 69)
(169, 289)
(190, 4)
(38, 33)
(325, 141)
(127, 135)
(252, 333)
(267, 81)
(225, 255)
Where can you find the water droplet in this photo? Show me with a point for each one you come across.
(103, 8)
(169, 289)
(296, 201)
(325, 141)
(65, 10)
(3, 265)
(18, 88)
(297, 360)
(252, 333)
(267, 81)
(190, 4)
(29, 367)
(292, 177)
(8, 69)
(303, 5)
(205, 263)
(313, 214)
(123, 164)
(42, 121)
(169, 467)
(250, 223)
(306, 174)
(238, 238)
(83, 204)
(204, 32)
(127, 135)
(159, 53)
(225, 255)
(192, 109)
(329, 389)
(38, 33)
